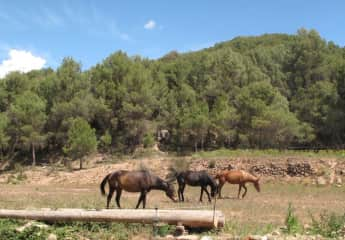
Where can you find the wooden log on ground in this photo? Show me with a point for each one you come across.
(191, 218)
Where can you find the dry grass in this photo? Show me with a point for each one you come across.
(257, 209)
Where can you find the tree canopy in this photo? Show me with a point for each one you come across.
(269, 91)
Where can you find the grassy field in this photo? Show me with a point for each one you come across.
(339, 154)
(257, 213)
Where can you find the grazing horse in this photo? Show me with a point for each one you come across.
(195, 178)
(239, 177)
(135, 181)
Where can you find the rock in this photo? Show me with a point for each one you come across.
(275, 233)
(169, 237)
(30, 224)
(321, 181)
(339, 181)
(206, 238)
(52, 236)
(256, 237)
(188, 237)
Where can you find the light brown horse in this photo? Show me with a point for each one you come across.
(239, 177)
(135, 181)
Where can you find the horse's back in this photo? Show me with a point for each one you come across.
(196, 178)
(234, 176)
(133, 181)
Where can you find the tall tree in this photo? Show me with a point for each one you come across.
(81, 140)
(28, 118)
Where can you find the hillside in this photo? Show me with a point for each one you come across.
(270, 91)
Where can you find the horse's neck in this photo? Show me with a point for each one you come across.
(211, 182)
(158, 184)
(250, 177)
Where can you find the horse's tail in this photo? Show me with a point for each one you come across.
(103, 184)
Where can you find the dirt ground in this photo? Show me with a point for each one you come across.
(45, 187)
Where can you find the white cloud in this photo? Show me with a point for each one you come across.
(150, 25)
(20, 60)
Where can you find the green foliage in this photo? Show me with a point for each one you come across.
(270, 91)
(329, 225)
(75, 230)
(106, 140)
(28, 118)
(81, 140)
(291, 221)
(18, 175)
(4, 138)
(148, 140)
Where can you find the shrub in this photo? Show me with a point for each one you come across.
(328, 225)
(292, 222)
(148, 140)
(212, 163)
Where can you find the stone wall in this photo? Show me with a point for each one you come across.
(334, 169)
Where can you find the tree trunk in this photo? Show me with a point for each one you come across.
(33, 156)
(202, 143)
(192, 218)
(81, 163)
(195, 146)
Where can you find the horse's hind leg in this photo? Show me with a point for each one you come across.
(118, 196)
(245, 190)
(110, 195)
(239, 190)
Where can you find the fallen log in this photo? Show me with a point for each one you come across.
(191, 218)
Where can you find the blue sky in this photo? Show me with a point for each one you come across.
(89, 31)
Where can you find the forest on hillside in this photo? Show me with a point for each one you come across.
(271, 91)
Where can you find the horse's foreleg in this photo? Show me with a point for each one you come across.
(208, 194)
(239, 190)
(245, 190)
(140, 199)
(181, 191)
(110, 195)
(201, 193)
(118, 196)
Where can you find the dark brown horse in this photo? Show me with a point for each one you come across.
(239, 177)
(195, 178)
(135, 181)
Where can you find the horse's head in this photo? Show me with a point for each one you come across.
(214, 190)
(170, 191)
(214, 187)
(257, 184)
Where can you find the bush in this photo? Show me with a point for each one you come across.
(148, 140)
(292, 222)
(328, 225)
(212, 164)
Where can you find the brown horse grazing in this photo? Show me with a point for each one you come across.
(239, 177)
(135, 181)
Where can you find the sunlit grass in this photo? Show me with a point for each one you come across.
(269, 153)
